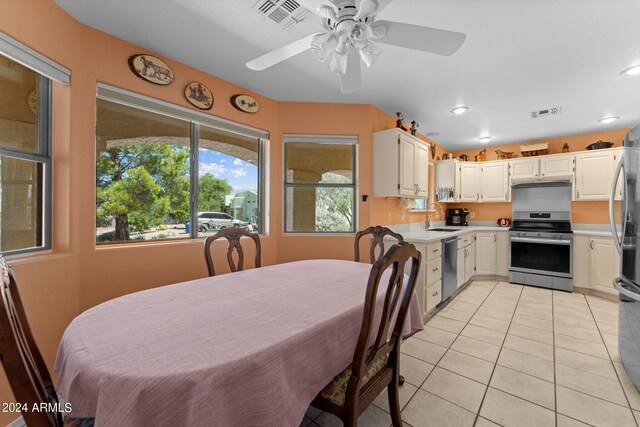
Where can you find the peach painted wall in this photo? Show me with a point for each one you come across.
(581, 212)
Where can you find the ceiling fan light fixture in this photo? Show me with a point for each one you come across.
(459, 110)
(484, 139)
(608, 119)
(632, 71)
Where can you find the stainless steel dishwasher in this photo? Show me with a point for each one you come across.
(449, 266)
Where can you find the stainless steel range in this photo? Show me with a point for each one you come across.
(541, 240)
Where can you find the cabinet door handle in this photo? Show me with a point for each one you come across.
(506, 196)
(435, 269)
(494, 238)
(434, 294)
(578, 194)
(477, 196)
(591, 245)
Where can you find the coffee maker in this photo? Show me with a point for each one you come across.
(457, 216)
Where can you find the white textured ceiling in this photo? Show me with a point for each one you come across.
(519, 56)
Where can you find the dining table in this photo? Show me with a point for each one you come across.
(250, 348)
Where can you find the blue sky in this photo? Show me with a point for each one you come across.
(241, 175)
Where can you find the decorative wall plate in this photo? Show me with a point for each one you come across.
(151, 69)
(245, 103)
(199, 95)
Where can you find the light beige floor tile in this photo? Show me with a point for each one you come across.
(584, 334)
(581, 346)
(483, 422)
(564, 421)
(414, 371)
(534, 348)
(446, 324)
(576, 322)
(585, 362)
(372, 416)
(468, 366)
(405, 393)
(488, 322)
(436, 336)
(531, 312)
(464, 306)
(476, 348)
(531, 365)
(534, 322)
(501, 306)
(508, 410)
(636, 414)
(592, 410)
(529, 388)
(612, 328)
(428, 410)
(531, 333)
(423, 350)
(486, 311)
(483, 334)
(455, 388)
(452, 313)
(591, 384)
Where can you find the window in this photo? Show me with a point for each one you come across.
(160, 169)
(25, 158)
(320, 192)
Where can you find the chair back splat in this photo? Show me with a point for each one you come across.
(377, 241)
(233, 236)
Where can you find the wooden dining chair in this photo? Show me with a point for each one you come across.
(22, 362)
(375, 362)
(233, 236)
(377, 241)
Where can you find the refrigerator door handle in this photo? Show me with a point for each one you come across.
(624, 291)
(612, 195)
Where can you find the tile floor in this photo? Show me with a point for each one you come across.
(511, 355)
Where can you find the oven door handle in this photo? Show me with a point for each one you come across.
(541, 241)
(624, 291)
(612, 195)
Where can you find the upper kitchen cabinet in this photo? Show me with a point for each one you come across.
(526, 168)
(448, 181)
(400, 165)
(560, 165)
(495, 182)
(594, 172)
(470, 182)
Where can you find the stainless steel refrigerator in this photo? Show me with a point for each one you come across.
(625, 237)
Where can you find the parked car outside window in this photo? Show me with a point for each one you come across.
(219, 220)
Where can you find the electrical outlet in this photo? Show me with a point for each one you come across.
(472, 215)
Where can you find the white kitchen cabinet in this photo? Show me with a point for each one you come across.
(503, 255)
(594, 172)
(524, 169)
(470, 182)
(448, 180)
(400, 165)
(560, 165)
(605, 263)
(495, 182)
(486, 251)
(470, 262)
(432, 282)
(460, 267)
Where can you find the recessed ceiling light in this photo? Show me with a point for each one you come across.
(632, 71)
(484, 139)
(460, 110)
(606, 120)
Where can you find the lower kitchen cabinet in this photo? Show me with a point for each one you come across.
(605, 263)
(434, 296)
(460, 267)
(470, 262)
(486, 259)
(432, 281)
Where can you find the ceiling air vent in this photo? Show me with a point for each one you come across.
(553, 111)
(285, 13)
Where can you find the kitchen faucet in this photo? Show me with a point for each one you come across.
(427, 223)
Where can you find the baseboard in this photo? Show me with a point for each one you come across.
(18, 422)
(595, 293)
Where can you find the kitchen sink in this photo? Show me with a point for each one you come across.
(443, 229)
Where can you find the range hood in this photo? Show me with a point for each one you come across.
(566, 179)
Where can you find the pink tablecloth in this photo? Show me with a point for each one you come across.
(251, 348)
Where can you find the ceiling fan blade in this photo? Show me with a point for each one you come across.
(351, 81)
(425, 39)
(314, 5)
(283, 53)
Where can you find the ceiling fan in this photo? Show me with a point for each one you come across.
(350, 31)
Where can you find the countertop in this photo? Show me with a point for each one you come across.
(425, 236)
